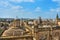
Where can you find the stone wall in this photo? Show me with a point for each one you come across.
(48, 33)
(17, 38)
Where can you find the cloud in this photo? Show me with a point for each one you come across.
(16, 7)
(19, 1)
(4, 3)
(52, 12)
(57, 1)
(37, 9)
(13, 12)
(28, 0)
(10, 10)
(7, 3)
(55, 10)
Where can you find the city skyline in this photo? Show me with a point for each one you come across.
(29, 8)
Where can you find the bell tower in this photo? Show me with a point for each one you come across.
(57, 18)
(40, 21)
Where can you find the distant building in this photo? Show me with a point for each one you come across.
(57, 20)
(36, 29)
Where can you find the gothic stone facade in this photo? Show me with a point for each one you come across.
(49, 33)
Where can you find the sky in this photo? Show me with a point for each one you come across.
(29, 8)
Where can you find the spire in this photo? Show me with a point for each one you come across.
(40, 20)
(57, 16)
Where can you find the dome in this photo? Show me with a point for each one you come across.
(13, 32)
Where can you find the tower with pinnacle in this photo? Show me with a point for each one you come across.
(57, 18)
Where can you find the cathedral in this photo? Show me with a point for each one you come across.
(16, 32)
(20, 30)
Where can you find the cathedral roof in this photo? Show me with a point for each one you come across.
(14, 30)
